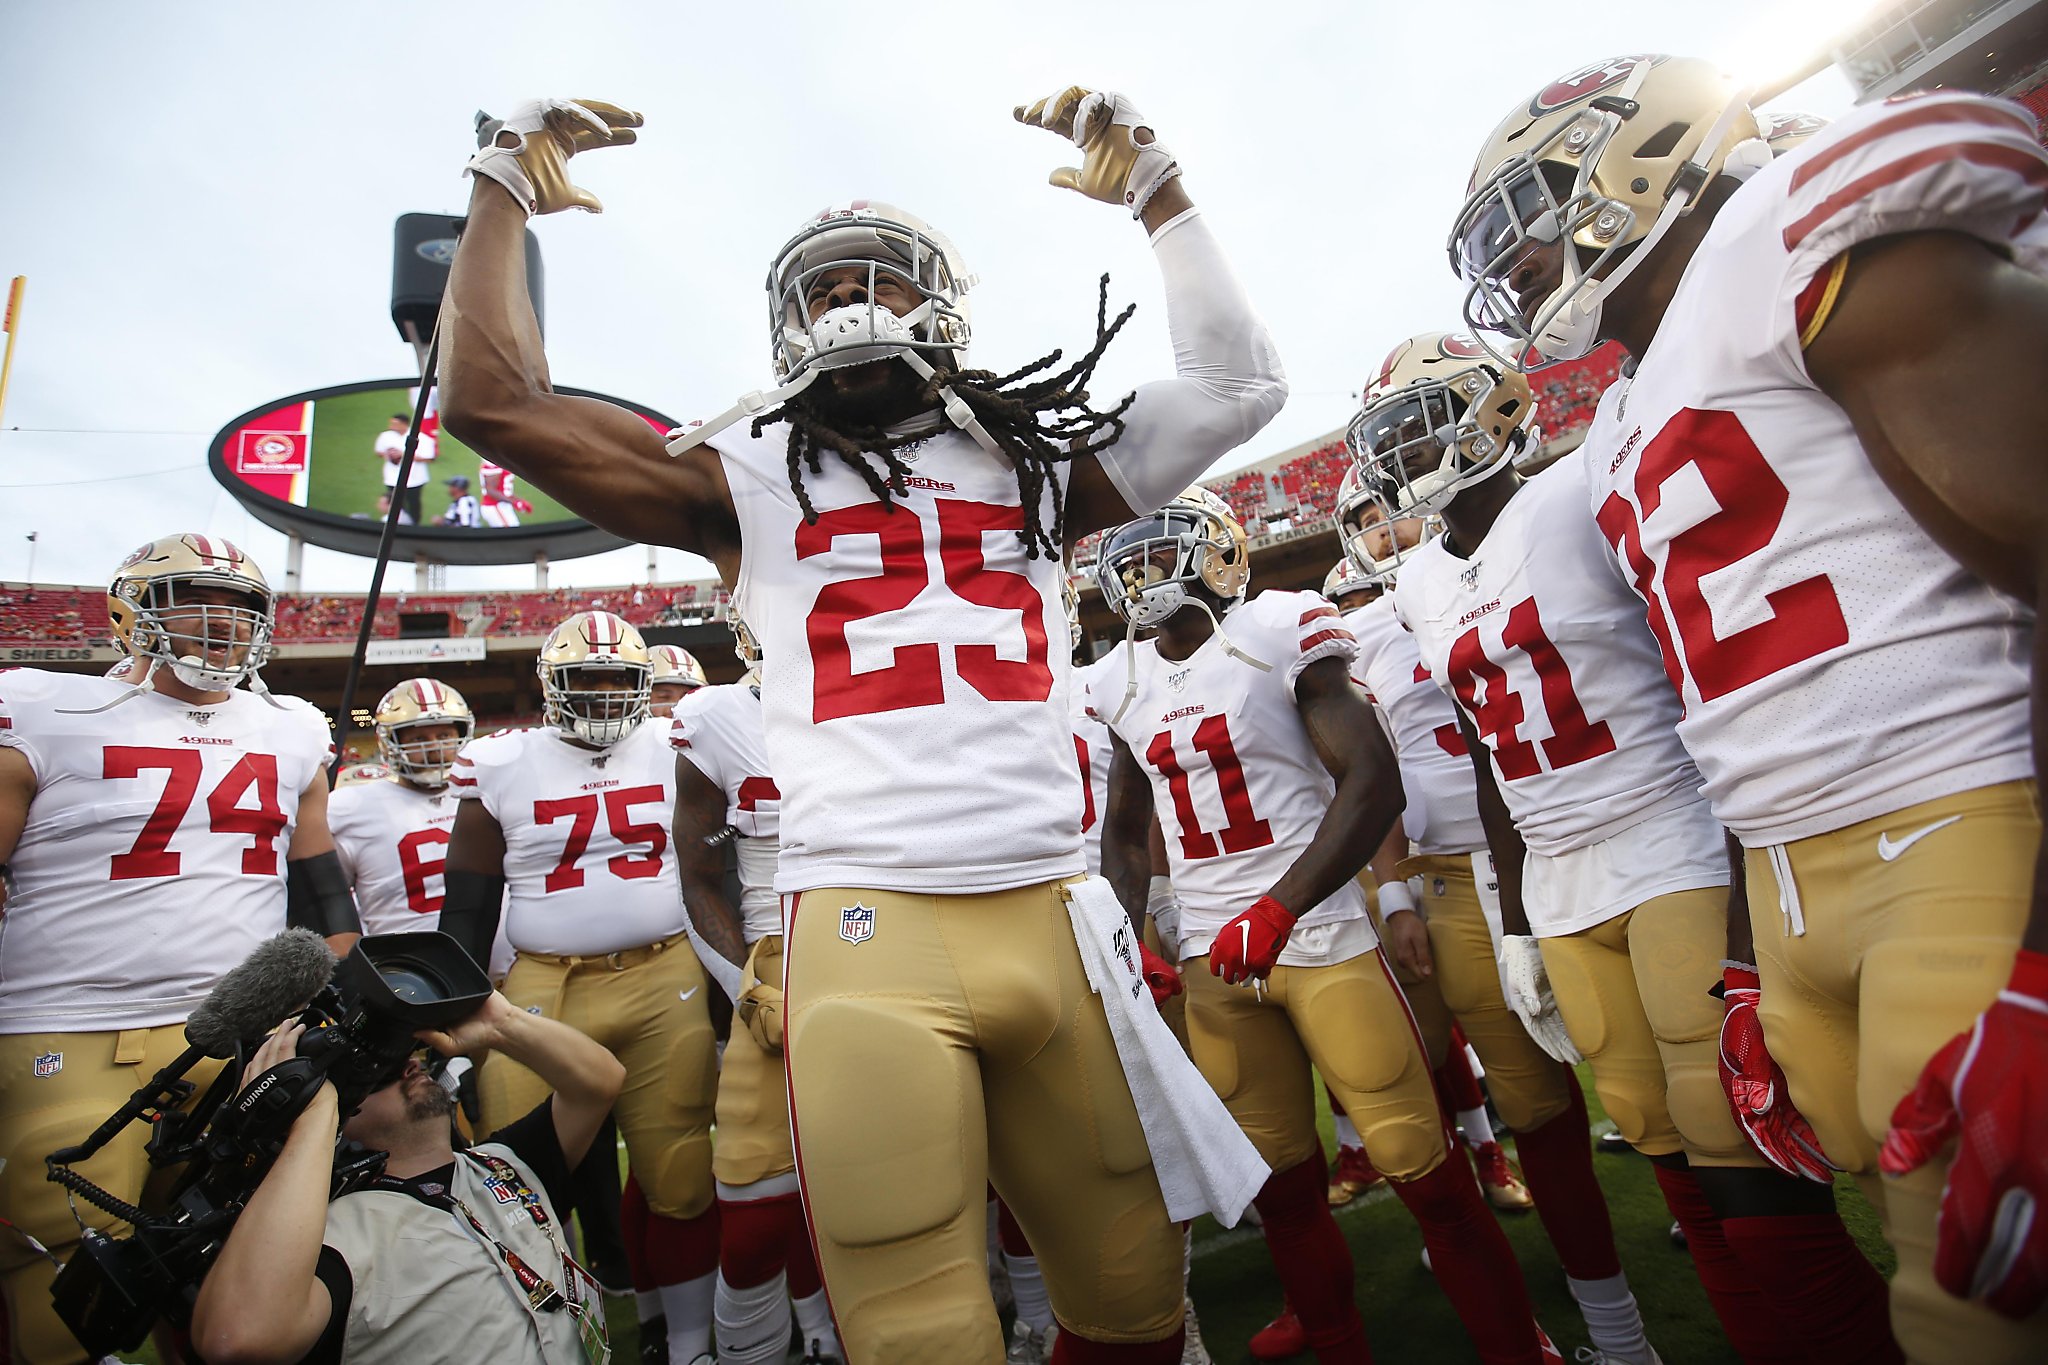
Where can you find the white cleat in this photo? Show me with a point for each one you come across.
(1192, 1351)
(1028, 1347)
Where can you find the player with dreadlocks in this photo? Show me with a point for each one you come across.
(892, 525)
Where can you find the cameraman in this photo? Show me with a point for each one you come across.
(413, 1266)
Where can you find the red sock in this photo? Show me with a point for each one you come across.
(804, 1279)
(754, 1238)
(1314, 1262)
(1823, 1293)
(1008, 1234)
(633, 1216)
(1746, 1315)
(1073, 1350)
(1456, 1087)
(1557, 1159)
(682, 1249)
(1473, 1262)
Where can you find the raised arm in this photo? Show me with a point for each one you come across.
(1227, 380)
(599, 460)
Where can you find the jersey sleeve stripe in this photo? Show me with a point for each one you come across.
(1323, 637)
(1314, 613)
(2028, 165)
(1985, 114)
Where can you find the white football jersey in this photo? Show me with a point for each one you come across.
(1091, 756)
(393, 842)
(1442, 814)
(588, 867)
(917, 707)
(1544, 646)
(720, 731)
(1236, 782)
(1834, 661)
(153, 857)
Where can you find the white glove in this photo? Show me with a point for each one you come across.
(1526, 985)
(1165, 912)
(1116, 167)
(534, 168)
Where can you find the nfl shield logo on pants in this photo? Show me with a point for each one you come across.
(49, 1064)
(856, 923)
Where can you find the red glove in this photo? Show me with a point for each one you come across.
(1989, 1089)
(1755, 1086)
(1161, 976)
(1248, 945)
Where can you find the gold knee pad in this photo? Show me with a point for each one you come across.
(1355, 1025)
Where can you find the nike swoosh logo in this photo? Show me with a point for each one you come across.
(688, 993)
(1888, 850)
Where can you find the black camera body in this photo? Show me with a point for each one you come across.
(359, 1035)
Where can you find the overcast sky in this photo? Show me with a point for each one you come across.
(201, 197)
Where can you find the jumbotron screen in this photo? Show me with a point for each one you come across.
(335, 453)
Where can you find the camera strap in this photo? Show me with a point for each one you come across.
(578, 1294)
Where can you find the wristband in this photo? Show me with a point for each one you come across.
(1394, 898)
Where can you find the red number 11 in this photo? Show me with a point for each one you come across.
(1245, 830)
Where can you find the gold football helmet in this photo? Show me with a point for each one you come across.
(156, 615)
(1784, 129)
(1148, 564)
(1575, 187)
(582, 654)
(1345, 578)
(1439, 416)
(356, 774)
(1373, 545)
(676, 674)
(745, 645)
(415, 703)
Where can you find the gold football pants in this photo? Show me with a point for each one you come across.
(1634, 995)
(753, 1093)
(936, 1044)
(646, 1005)
(1347, 1020)
(1870, 964)
(87, 1076)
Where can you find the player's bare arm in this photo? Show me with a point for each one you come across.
(17, 789)
(474, 878)
(1401, 929)
(1353, 746)
(701, 835)
(1127, 827)
(599, 460)
(1919, 319)
(1228, 382)
(1503, 840)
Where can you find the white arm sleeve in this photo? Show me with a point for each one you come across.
(1227, 380)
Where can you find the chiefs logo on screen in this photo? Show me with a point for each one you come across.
(270, 452)
(1586, 82)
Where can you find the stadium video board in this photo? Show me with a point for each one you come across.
(323, 465)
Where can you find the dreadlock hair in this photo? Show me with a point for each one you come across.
(1041, 423)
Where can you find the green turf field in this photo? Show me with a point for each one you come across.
(346, 476)
(1406, 1315)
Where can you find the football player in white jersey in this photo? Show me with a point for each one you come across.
(724, 794)
(1456, 973)
(1614, 875)
(155, 829)
(572, 818)
(393, 835)
(1841, 555)
(676, 674)
(1238, 723)
(904, 519)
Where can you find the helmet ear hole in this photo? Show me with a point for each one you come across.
(1662, 142)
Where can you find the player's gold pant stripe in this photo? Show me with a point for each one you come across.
(944, 1043)
(1897, 956)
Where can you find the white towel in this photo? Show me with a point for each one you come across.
(1204, 1162)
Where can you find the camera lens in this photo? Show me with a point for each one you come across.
(410, 983)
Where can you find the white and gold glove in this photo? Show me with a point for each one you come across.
(1117, 166)
(1526, 985)
(528, 151)
(760, 1009)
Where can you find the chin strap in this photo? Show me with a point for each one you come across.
(750, 405)
(1131, 654)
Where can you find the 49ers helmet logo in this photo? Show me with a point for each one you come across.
(1586, 82)
(1461, 347)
